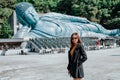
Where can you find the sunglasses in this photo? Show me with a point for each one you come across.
(74, 38)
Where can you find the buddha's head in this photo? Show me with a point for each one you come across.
(26, 13)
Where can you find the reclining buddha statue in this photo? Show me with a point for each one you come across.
(55, 24)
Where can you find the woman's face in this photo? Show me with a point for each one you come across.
(75, 39)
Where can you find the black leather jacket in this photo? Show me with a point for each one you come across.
(75, 61)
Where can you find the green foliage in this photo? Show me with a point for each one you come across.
(101, 11)
(115, 22)
(43, 6)
(64, 6)
(6, 8)
(6, 12)
(6, 31)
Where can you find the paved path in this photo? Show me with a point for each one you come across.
(101, 65)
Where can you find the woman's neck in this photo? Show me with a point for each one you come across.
(73, 49)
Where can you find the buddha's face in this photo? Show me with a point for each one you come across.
(31, 15)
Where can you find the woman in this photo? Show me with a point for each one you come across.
(77, 56)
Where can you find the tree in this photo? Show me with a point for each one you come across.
(6, 31)
(64, 6)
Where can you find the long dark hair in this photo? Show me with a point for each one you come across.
(79, 39)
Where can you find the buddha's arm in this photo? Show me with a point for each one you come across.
(64, 17)
(20, 34)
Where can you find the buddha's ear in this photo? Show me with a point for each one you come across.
(22, 21)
